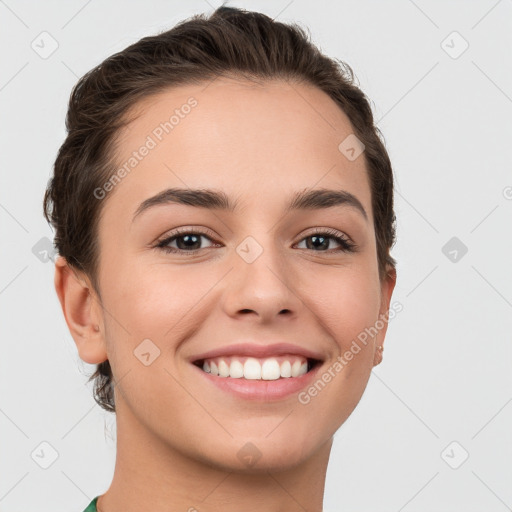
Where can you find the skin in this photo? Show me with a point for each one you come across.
(177, 437)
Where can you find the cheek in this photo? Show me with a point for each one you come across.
(156, 301)
(345, 302)
(144, 302)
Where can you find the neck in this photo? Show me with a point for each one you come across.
(151, 475)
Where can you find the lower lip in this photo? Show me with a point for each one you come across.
(263, 390)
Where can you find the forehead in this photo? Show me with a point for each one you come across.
(258, 140)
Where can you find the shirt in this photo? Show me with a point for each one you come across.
(92, 506)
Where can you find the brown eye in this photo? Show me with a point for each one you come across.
(321, 240)
(184, 241)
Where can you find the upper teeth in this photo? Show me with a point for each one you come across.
(256, 369)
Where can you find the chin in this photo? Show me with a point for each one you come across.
(260, 455)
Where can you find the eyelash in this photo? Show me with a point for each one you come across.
(347, 245)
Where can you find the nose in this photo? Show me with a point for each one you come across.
(261, 283)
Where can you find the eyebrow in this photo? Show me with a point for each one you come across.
(312, 199)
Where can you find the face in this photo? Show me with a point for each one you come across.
(241, 274)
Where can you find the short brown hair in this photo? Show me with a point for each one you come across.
(231, 42)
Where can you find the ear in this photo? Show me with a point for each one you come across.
(82, 310)
(387, 287)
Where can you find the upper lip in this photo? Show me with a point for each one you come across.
(258, 351)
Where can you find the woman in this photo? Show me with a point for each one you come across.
(223, 208)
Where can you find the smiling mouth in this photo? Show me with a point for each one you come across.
(252, 368)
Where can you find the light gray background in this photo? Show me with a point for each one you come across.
(446, 374)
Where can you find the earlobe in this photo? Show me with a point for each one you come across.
(82, 312)
(387, 288)
(377, 358)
